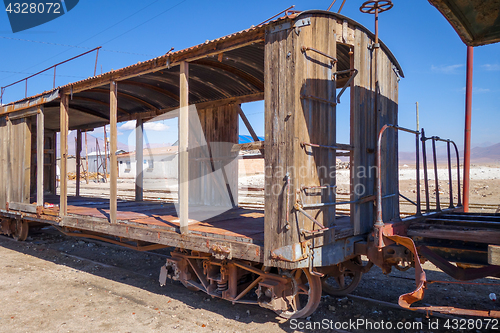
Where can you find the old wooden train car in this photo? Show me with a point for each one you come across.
(301, 243)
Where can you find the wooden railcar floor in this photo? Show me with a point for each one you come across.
(246, 225)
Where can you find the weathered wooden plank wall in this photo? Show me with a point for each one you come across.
(290, 120)
(3, 161)
(15, 150)
(213, 169)
(365, 125)
(388, 114)
(49, 173)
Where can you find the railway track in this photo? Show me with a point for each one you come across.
(254, 199)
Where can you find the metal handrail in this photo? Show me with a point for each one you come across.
(450, 178)
(46, 69)
(379, 222)
(306, 48)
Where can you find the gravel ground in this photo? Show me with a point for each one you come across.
(54, 283)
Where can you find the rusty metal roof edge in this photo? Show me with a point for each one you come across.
(362, 27)
(450, 16)
(30, 102)
(176, 53)
(183, 51)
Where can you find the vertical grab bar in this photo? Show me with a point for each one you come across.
(379, 221)
(458, 175)
(449, 174)
(417, 157)
(438, 203)
(426, 178)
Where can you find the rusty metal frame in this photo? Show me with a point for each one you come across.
(304, 49)
(46, 69)
(262, 274)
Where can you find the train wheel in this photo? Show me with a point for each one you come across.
(21, 230)
(306, 295)
(342, 284)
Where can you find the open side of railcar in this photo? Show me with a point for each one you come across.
(280, 257)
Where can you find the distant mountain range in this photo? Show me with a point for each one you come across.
(482, 154)
(478, 154)
(486, 154)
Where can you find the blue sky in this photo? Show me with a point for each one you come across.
(430, 52)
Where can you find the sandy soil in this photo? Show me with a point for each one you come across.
(54, 283)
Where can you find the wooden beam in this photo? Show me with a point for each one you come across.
(78, 160)
(86, 160)
(63, 148)
(257, 145)
(39, 156)
(113, 114)
(183, 148)
(249, 126)
(139, 166)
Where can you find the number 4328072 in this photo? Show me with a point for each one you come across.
(33, 8)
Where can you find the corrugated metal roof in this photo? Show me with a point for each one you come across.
(231, 72)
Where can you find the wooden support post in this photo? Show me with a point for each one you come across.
(78, 160)
(139, 166)
(183, 148)
(113, 115)
(105, 165)
(86, 161)
(63, 148)
(39, 156)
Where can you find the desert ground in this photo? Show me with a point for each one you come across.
(55, 283)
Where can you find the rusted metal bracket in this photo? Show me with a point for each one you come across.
(311, 262)
(291, 253)
(338, 146)
(287, 205)
(347, 84)
(301, 23)
(304, 49)
(408, 299)
(220, 251)
(298, 207)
